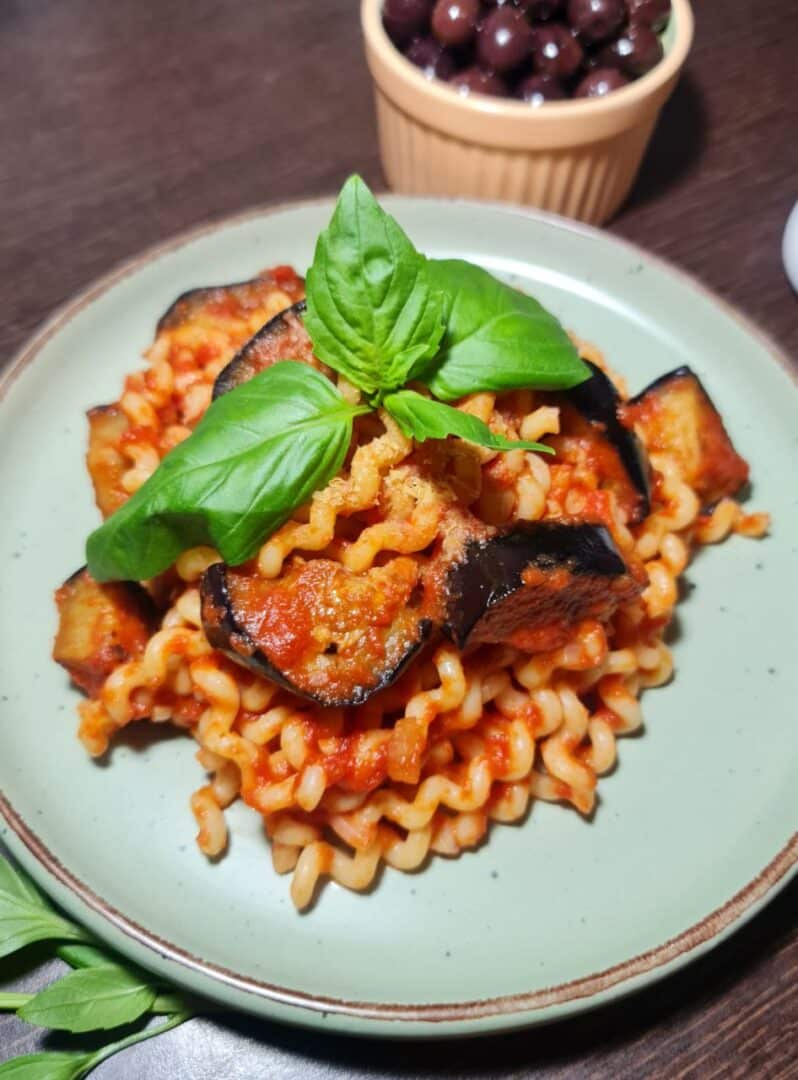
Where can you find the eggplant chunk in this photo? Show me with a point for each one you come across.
(592, 437)
(324, 633)
(528, 586)
(106, 463)
(617, 453)
(238, 300)
(282, 338)
(100, 627)
(676, 415)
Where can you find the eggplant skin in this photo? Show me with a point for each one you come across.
(106, 463)
(677, 416)
(100, 627)
(598, 403)
(233, 604)
(248, 293)
(282, 338)
(529, 585)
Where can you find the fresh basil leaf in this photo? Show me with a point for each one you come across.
(16, 881)
(84, 956)
(372, 314)
(91, 956)
(10, 1002)
(90, 999)
(169, 1003)
(496, 338)
(422, 418)
(47, 1066)
(259, 452)
(23, 921)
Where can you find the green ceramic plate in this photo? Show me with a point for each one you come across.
(694, 831)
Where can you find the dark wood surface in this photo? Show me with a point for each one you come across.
(124, 123)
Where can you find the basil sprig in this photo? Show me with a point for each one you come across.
(25, 918)
(372, 314)
(101, 993)
(497, 338)
(380, 314)
(90, 999)
(259, 451)
(421, 418)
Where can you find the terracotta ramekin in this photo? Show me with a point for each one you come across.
(577, 158)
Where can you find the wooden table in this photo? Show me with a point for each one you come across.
(124, 123)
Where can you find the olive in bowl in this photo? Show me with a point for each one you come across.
(510, 101)
(490, 47)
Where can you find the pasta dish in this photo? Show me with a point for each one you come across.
(436, 636)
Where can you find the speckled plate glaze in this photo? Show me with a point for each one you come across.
(694, 830)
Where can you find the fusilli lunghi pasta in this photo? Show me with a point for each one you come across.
(464, 738)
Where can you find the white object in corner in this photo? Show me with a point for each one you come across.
(789, 248)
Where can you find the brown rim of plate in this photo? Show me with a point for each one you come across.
(674, 952)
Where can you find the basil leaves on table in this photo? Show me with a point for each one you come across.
(421, 418)
(259, 452)
(382, 315)
(25, 917)
(497, 338)
(102, 991)
(91, 998)
(46, 1066)
(372, 314)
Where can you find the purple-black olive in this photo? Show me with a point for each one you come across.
(555, 51)
(595, 20)
(433, 59)
(525, 48)
(653, 13)
(634, 52)
(403, 19)
(504, 40)
(600, 82)
(454, 22)
(538, 89)
(475, 80)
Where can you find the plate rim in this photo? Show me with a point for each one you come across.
(517, 1009)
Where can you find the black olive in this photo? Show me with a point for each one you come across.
(595, 20)
(475, 80)
(432, 58)
(454, 22)
(600, 82)
(403, 19)
(504, 40)
(555, 51)
(538, 89)
(634, 52)
(653, 13)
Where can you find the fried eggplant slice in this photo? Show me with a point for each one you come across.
(105, 461)
(676, 415)
(100, 627)
(589, 414)
(326, 634)
(531, 584)
(282, 338)
(237, 301)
